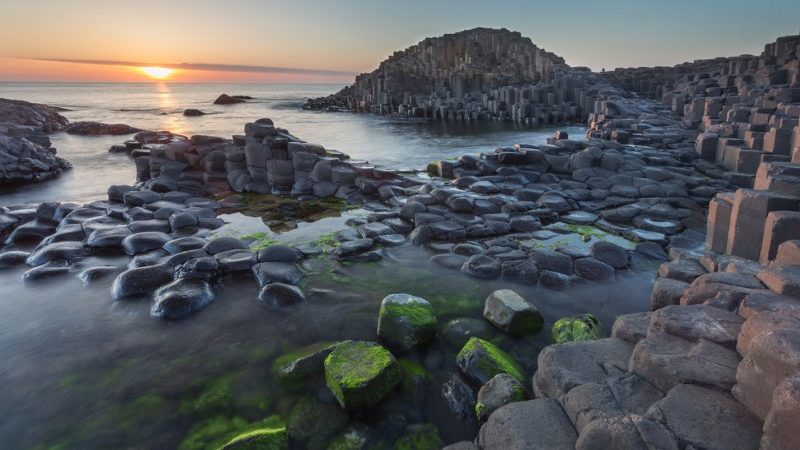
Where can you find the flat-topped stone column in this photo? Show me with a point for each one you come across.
(750, 210)
(781, 226)
(719, 220)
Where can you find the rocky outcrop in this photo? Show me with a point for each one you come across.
(225, 99)
(100, 129)
(26, 153)
(18, 112)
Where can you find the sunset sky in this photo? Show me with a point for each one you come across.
(327, 40)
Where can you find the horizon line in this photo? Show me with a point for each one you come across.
(214, 67)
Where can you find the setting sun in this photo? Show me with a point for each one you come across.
(156, 72)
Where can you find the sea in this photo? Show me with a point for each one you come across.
(393, 142)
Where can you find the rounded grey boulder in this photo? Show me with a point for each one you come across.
(181, 298)
(145, 241)
(280, 294)
(140, 281)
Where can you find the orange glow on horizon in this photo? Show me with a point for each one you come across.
(158, 73)
(18, 69)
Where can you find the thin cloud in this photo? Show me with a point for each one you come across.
(204, 66)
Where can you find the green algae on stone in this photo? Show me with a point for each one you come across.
(282, 213)
(215, 432)
(481, 360)
(353, 437)
(312, 422)
(420, 437)
(259, 240)
(406, 322)
(414, 380)
(216, 397)
(262, 439)
(360, 373)
(303, 362)
(576, 328)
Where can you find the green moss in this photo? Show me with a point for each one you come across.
(420, 437)
(586, 231)
(281, 212)
(302, 362)
(312, 422)
(263, 439)
(260, 240)
(213, 433)
(416, 314)
(479, 408)
(580, 328)
(414, 380)
(360, 373)
(482, 360)
(216, 397)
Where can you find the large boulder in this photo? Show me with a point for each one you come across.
(509, 312)
(707, 418)
(481, 360)
(68, 251)
(562, 367)
(530, 425)
(100, 129)
(144, 242)
(225, 99)
(360, 374)
(406, 322)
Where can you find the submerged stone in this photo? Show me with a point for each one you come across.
(576, 328)
(481, 360)
(361, 373)
(264, 439)
(181, 298)
(406, 322)
(303, 362)
(276, 295)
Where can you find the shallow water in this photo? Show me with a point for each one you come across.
(82, 371)
(391, 142)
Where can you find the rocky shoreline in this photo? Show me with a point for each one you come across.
(701, 184)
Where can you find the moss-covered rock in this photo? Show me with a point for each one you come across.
(361, 373)
(406, 322)
(263, 439)
(354, 437)
(576, 328)
(420, 437)
(414, 380)
(500, 390)
(312, 422)
(481, 360)
(304, 362)
(215, 432)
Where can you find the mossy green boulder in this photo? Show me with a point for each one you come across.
(215, 432)
(304, 362)
(576, 328)
(481, 360)
(263, 439)
(406, 322)
(312, 422)
(361, 373)
(414, 380)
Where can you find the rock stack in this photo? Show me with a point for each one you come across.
(26, 153)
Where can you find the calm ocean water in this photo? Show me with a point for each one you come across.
(385, 141)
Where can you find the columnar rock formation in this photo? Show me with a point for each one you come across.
(471, 75)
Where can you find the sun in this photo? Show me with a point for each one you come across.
(158, 73)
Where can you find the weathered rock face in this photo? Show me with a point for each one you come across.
(27, 156)
(25, 150)
(480, 73)
(19, 112)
